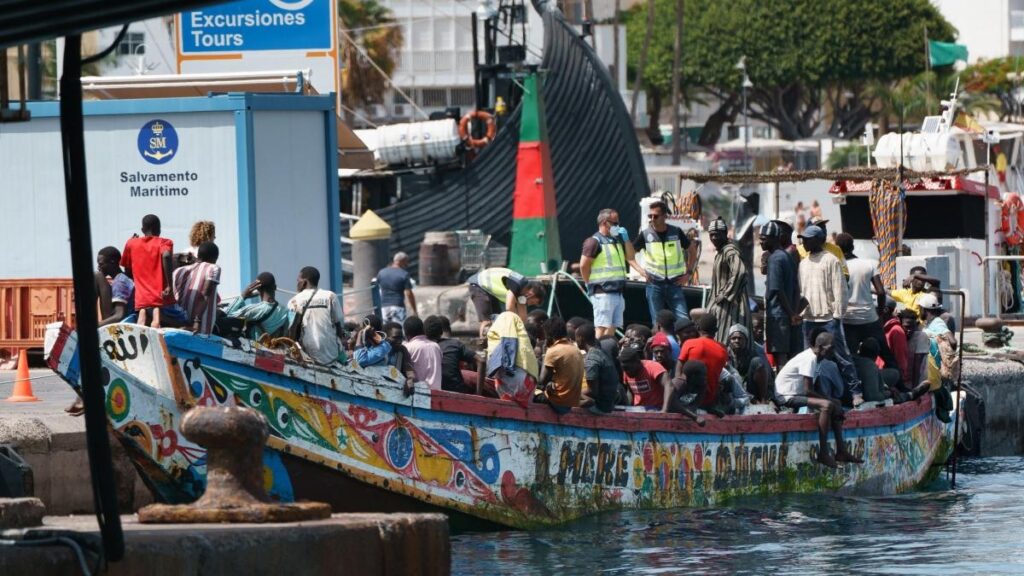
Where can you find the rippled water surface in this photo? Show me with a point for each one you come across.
(976, 529)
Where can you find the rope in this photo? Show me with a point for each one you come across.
(856, 174)
(15, 381)
(888, 220)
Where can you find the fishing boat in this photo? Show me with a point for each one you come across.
(350, 437)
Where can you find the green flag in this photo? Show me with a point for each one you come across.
(946, 53)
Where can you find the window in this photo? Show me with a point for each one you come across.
(133, 44)
(1016, 25)
(434, 98)
(463, 97)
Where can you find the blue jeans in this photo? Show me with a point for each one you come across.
(829, 382)
(666, 296)
(841, 354)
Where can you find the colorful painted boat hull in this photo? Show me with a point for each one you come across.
(483, 457)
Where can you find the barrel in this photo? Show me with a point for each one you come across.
(451, 240)
(435, 267)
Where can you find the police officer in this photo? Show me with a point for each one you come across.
(665, 260)
(603, 267)
(497, 290)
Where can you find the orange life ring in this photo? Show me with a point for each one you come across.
(492, 128)
(1012, 219)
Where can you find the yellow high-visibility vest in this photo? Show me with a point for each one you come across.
(664, 260)
(609, 268)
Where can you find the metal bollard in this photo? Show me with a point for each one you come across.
(234, 438)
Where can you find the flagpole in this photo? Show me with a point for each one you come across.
(928, 77)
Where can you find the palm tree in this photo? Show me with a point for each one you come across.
(371, 43)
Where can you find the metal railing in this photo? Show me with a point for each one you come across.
(959, 377)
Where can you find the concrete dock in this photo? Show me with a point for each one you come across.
(364, 544)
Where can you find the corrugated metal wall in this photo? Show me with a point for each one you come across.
(594, 150)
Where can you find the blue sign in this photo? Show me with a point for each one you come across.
(258, 25)
(158, 142)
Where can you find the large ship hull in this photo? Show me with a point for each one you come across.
(349, 436)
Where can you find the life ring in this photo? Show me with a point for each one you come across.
(464, 128)
(1012, 219)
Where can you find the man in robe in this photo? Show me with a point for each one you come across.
(728, 298)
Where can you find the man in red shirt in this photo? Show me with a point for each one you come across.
(896, 338)
(705, 349)
(147, 260)
(646, 379)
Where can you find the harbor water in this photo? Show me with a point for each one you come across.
(978, 528)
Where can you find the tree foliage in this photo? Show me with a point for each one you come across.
(369, 36)
(803, 56)
(998, 78)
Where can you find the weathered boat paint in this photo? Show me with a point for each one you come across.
(522, 467)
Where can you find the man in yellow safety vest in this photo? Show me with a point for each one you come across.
(497, 290)
(603, 267)
(665, 260)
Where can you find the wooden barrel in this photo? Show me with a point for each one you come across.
(451, 240)
(435, 268)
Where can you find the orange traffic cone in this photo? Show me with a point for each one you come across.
(22, 386)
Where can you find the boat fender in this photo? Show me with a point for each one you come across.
(464, 128)
(1012, 219)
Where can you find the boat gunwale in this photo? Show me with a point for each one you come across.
(630, 422)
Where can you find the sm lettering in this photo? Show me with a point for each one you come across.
(593, 463)
(158, 142)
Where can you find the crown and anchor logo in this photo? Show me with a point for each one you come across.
(158, 141)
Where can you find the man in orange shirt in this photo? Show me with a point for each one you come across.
(561, 377)
(713, 354)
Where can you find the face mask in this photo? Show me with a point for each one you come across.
(616, 230)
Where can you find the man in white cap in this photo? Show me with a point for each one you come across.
(729, 289)
(824, 288)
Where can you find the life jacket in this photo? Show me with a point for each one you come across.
(664, 260)
(609, 268)
(498, 281)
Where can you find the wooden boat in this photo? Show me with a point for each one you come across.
(349, 436)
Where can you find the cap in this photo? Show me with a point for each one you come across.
(771, 230)
(514, 282)
(928, 302)
(660, 339)
(717, 225)
(812, 232)
(741, 329)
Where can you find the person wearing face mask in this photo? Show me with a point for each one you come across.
(603, 267)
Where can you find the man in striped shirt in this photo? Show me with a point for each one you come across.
(195, 289)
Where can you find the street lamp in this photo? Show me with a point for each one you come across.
(747, 84)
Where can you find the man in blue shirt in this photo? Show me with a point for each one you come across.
(395, 287)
